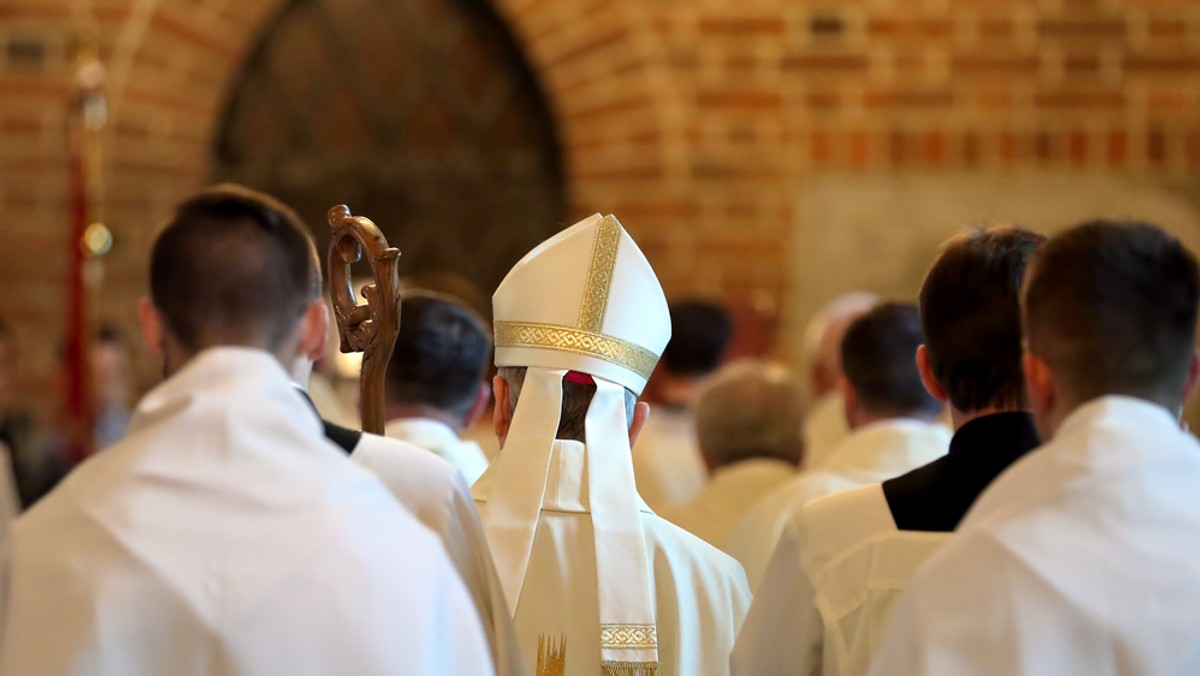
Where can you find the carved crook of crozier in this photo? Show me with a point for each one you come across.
(370, 328)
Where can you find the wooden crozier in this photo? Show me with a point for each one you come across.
(371, 328)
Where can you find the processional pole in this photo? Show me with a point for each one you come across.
(370, 328)
(87, 118)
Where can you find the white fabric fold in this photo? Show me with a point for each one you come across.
(511, 516)
(627, 624)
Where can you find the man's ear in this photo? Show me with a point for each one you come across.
(314, 331)
(1040, 387)
(501, 413)
(482, 398)
(932, 386)
(641, 413)
(151, 325)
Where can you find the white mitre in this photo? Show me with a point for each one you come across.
(587, 301)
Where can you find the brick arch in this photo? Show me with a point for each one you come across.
(596, 62)
(171, 65)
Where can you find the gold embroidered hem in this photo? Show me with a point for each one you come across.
(552, 656)
(614, 668)
(628, 636)
(526, 334)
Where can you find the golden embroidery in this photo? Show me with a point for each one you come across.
(521, 334)
(614, 668)
(552, 656)
(600, 275)
(628, 636)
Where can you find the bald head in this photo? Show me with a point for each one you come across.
(749, 409)
(823, 337)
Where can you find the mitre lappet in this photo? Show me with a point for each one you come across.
(587, 306)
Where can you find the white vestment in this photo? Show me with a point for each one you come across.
(433, 490)
(826, 595)
(700, 594)
(873, 453)
(825, 428)
(225, 535)
(723, 502)
(1080, 559)
(667, 464)
(436, 436)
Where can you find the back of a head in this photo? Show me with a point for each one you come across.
(879, 361)
(1111, 307)
(823, 337)
(970, 312)
(749, 409)
(233, 267)
(441, 354)
(700, 332)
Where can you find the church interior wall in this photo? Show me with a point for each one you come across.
(771, 152)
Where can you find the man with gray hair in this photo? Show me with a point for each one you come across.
(894, 426)
(597, 583)
(825, 425)
(746, 422)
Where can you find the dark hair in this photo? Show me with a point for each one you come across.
(576, 400)
(879, 360)
(233, 266)
(1111, 306)
(700, 332)
(441, 354)
(970, 312)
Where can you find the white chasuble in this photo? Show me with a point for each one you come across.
(1081, 558)
(872, 453)
(433, 490)
(667, 463)
(700, 594)
(722, 504)
(828, 591)
(825, 428)
(438, 438)
(225, 535)
(597, 583)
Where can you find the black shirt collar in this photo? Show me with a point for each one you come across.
(344, 437)
(937, 496)
(1008, 434)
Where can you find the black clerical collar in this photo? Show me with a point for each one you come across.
(998, 434)
(344, 437)
(937, 496)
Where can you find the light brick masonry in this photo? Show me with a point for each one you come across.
(693, 120)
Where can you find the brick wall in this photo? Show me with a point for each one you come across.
(696, 122)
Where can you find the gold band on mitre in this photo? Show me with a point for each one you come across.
(567, 339)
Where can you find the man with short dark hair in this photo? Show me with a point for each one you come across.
(1081, 558)
(746, 423)
(667, 462)
(893, 423)
(224, 533)
(435, 380)
(842, 560)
